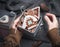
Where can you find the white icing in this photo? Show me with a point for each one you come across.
(32, 27)
(38, 11)
(26, 18)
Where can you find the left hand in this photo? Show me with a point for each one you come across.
(14, 26)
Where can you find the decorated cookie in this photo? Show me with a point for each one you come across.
(29, 19)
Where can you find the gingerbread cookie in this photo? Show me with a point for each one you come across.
(29, 19)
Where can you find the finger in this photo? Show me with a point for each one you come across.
(13, 26)
(52, 15)
(47, 20)
(15, 23)
(17, 19)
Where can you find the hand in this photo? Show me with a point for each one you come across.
(15, 23)
(51, 21)
(14, 37)
(14, 26)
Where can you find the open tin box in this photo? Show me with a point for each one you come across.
(29, 22)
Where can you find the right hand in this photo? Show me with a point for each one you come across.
(51, 21)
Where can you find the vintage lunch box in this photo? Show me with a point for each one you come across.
(30, 22)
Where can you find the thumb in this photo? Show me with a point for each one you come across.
(47, 20)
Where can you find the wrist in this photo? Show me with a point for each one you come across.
(53, 26)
